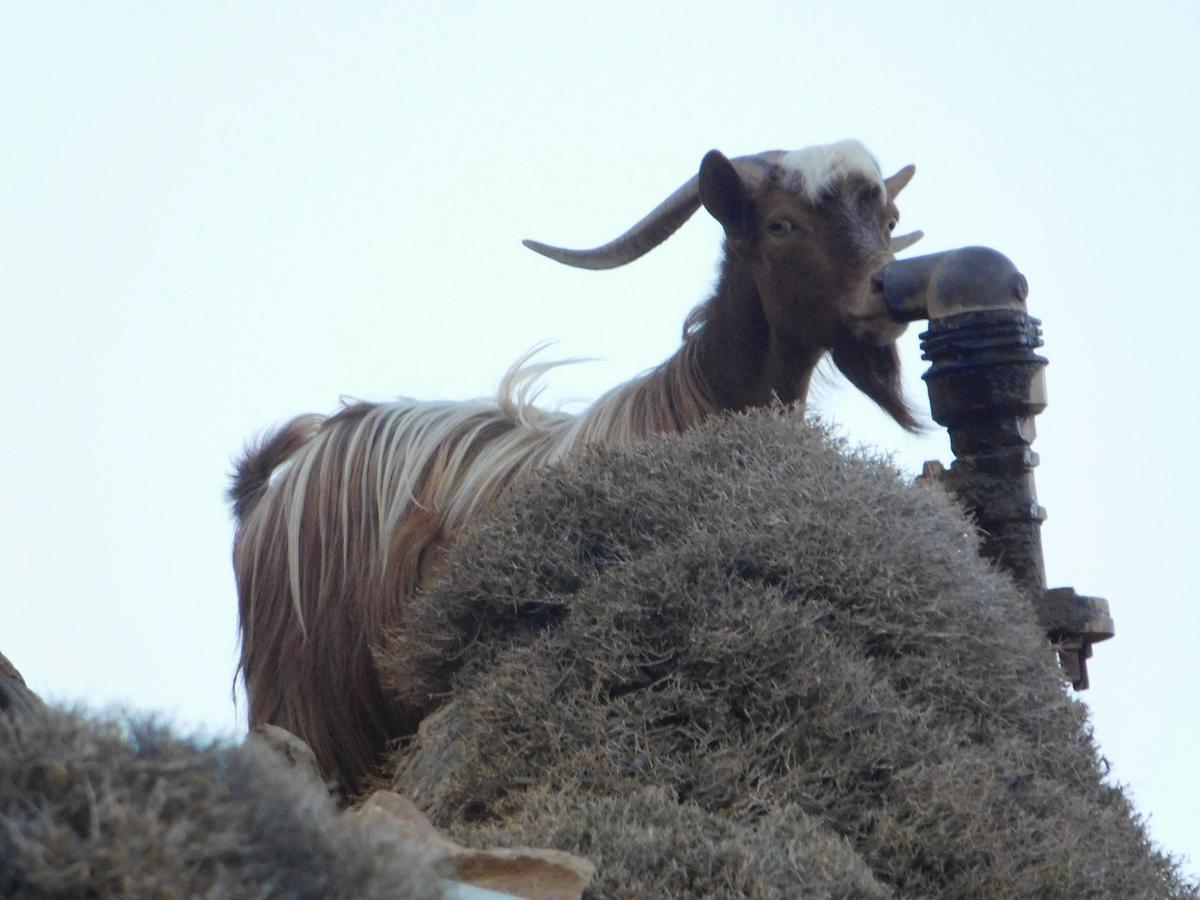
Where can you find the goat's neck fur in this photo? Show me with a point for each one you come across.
(740, 357)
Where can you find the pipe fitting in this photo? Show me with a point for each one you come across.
(951, 282)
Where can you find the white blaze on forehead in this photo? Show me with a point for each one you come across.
(815, 169)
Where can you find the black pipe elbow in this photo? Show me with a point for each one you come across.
(951, 282)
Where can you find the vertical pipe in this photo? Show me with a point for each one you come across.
(986, 385)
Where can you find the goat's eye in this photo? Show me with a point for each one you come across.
(891, 224)
(782, 226)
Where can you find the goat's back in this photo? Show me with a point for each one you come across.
(340, 520)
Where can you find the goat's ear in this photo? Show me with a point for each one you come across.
(725, 195)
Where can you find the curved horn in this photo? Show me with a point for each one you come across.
(658, 225)
(654, 228)
(904, 241)
(896, 183)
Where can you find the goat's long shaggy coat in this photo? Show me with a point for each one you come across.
(743, 662)
(363, 512)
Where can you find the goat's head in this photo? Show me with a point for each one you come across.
(808, 232)
(815, 230)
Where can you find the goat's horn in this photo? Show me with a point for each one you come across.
(896, 183)
(904, 241)
(658, 225)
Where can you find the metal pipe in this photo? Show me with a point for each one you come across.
(943, 284)
(986, 384)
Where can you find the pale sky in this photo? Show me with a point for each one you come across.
(215, 216)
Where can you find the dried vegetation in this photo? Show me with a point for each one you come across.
(121, 808)
(748, 662)
(742, 662)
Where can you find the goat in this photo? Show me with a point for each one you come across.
(341, 518)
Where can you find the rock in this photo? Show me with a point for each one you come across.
(521, 871)
(15, 695)
(394, 810)
(524, 872)
(294, 753)
(428, 768)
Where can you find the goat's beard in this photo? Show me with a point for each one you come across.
(875, 370)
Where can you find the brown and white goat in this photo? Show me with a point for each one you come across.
(341, 518)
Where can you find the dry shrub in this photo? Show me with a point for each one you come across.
(112, 808)
(748, 662)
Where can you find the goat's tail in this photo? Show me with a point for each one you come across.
(253, 471)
